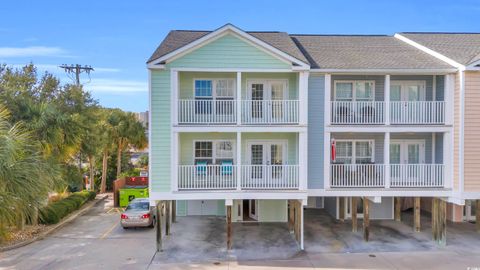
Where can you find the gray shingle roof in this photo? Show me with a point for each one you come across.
(463, 48)
(363, 52)
(179, 38)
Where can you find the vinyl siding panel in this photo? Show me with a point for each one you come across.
(229, 51)
(472, 131)
(440, 95)
(456, 132)
(316, 96)
(160, 131)
(272, 210)
(181, 208)
(439, 148)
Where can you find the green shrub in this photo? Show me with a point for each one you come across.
(55, 211)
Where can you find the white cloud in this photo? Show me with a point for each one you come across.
(8, 52)
(116, 86)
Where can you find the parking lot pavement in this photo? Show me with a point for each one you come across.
(92, 241)
(97, 241)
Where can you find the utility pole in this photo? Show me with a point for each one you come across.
(76, 70)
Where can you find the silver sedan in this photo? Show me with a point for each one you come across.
(138, 213)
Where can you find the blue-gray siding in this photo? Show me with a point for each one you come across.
(316, 94)
(379, 143)
(440, 95)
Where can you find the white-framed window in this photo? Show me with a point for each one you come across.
(214, 88)
(354, 151)
(358, 90)
(214, 151)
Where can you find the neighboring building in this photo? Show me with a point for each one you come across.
(266, 123)
(143, 118)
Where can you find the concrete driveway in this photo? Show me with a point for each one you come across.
(96, 241)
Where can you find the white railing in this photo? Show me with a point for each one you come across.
(357, 112)
(269, 176)
(270, 111)
(401, 175)
(207, 177)
(357, 175)
(417, 112)
(207, 111)
(417, 175)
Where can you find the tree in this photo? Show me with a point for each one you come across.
(127, 131)
(25, 176)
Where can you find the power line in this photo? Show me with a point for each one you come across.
(77, 70)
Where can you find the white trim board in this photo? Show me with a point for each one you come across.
(430, 51)
(224, 30)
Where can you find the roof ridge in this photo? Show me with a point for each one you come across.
(342, 35)
(450, 33)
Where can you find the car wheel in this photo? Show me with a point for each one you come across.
(125, 228)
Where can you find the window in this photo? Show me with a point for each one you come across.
(214, 152)
(355, 151)
(354, 90)
(203, 88)
(215, 88)
(203, 152)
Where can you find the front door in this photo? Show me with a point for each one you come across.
(267, 100)
(253, 209)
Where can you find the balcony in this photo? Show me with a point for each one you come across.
(374, 175)
(225, 177)
(225, 112)
(401, 112)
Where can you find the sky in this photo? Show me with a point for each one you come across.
(117, 37)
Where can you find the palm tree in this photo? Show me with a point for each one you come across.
(25, 176)
(126, 131)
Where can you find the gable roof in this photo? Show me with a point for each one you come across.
(363, 52)
(463, 48)
(177, 39)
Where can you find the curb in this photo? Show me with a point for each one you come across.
(59, 225)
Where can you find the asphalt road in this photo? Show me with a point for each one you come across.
(94, 240)
(97, 241)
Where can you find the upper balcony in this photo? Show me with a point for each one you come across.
(228, 98)
(389, 100)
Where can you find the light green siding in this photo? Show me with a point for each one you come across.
(186, 81)
(221, 211)
(181, 208)
(160, 131)
(187, 143)
(272, 210)
(229, 51)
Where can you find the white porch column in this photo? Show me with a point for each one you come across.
(174, 96)
(302, 204)
(303, 97)
(449, 90)
(174, 160)
(303, 160)
(448, 159)
(326, 160)
(387, 100)
(239, 160)
(327, 101)
(386, 159)
(239, 98)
